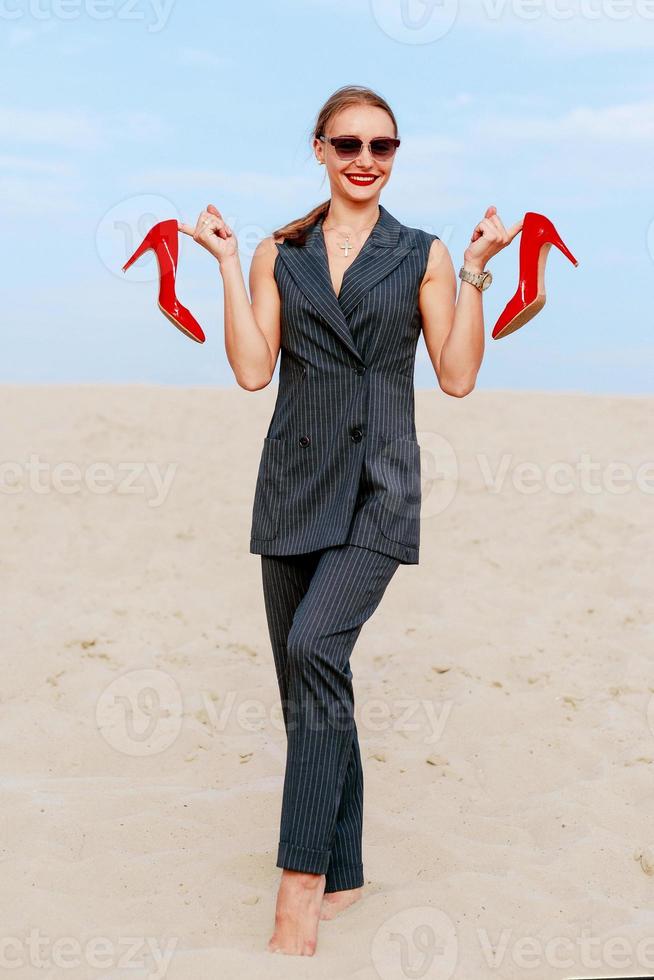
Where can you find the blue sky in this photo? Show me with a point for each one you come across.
(117, 113)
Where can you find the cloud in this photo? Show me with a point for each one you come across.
(200, 58)
(619, 124)
(25, 197)
(22, 164)
(566, 25)
(460, 99)
(246, 182)
(75, 128)
(19, 36)
(443, 168)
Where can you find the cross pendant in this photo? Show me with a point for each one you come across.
(346, 246)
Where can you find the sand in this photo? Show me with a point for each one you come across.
(504, 695)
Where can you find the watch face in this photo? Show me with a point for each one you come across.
(487, 281)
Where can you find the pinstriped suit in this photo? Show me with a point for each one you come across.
(340, 461)
(336, 510)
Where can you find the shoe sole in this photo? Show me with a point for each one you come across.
(179, 326)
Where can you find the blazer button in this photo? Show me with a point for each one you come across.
(360, 369)
(356, 434)
(304, 440)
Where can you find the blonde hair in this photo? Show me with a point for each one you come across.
(348, 95)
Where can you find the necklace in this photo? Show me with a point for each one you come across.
(347, 244)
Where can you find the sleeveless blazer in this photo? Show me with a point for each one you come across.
(340, 461)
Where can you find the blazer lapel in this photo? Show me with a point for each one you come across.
(308, 265)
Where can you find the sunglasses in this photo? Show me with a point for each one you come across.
(349, 147)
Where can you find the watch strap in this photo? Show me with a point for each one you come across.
(474, 278)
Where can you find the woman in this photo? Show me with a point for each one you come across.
(344, 292)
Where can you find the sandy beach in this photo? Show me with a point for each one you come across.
(505, 695)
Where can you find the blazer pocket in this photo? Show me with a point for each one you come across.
(400, 506)
(268, 494)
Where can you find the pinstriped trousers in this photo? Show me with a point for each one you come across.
(316, 605)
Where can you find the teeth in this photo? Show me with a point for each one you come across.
(362, 180)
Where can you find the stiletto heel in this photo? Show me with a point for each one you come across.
(536, 238)
(560, 244)
(163, 240)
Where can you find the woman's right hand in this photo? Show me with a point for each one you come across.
(212, 233)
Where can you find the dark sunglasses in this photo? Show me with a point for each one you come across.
(349, 147)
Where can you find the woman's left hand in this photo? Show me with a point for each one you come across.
(489, 237)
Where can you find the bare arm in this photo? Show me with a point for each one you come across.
(252, 328)
(454, 328)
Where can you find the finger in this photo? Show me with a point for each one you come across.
(491, 231)
(514, 229)
(219, 227)
(206, 222)
(490, 211)
(484, 228)
(212, 227)
(216, 212)
(203, 217)
(221, 230)
(501, 230)
(186, 229)
(201, 229)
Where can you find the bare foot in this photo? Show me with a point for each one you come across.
(335, 902)
(297, 913)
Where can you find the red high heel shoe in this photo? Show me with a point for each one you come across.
(537, 237)
(163, 239)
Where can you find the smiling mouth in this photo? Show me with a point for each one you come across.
(362, 179)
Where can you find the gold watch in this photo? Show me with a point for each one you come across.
(481, 280)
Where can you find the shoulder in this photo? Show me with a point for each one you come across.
(434, 250)
(438, 262)
(419, 236)
(267, 247)
(266, 252)
(429, 244)
(439, 265)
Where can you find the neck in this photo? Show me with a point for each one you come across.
(352, 219)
